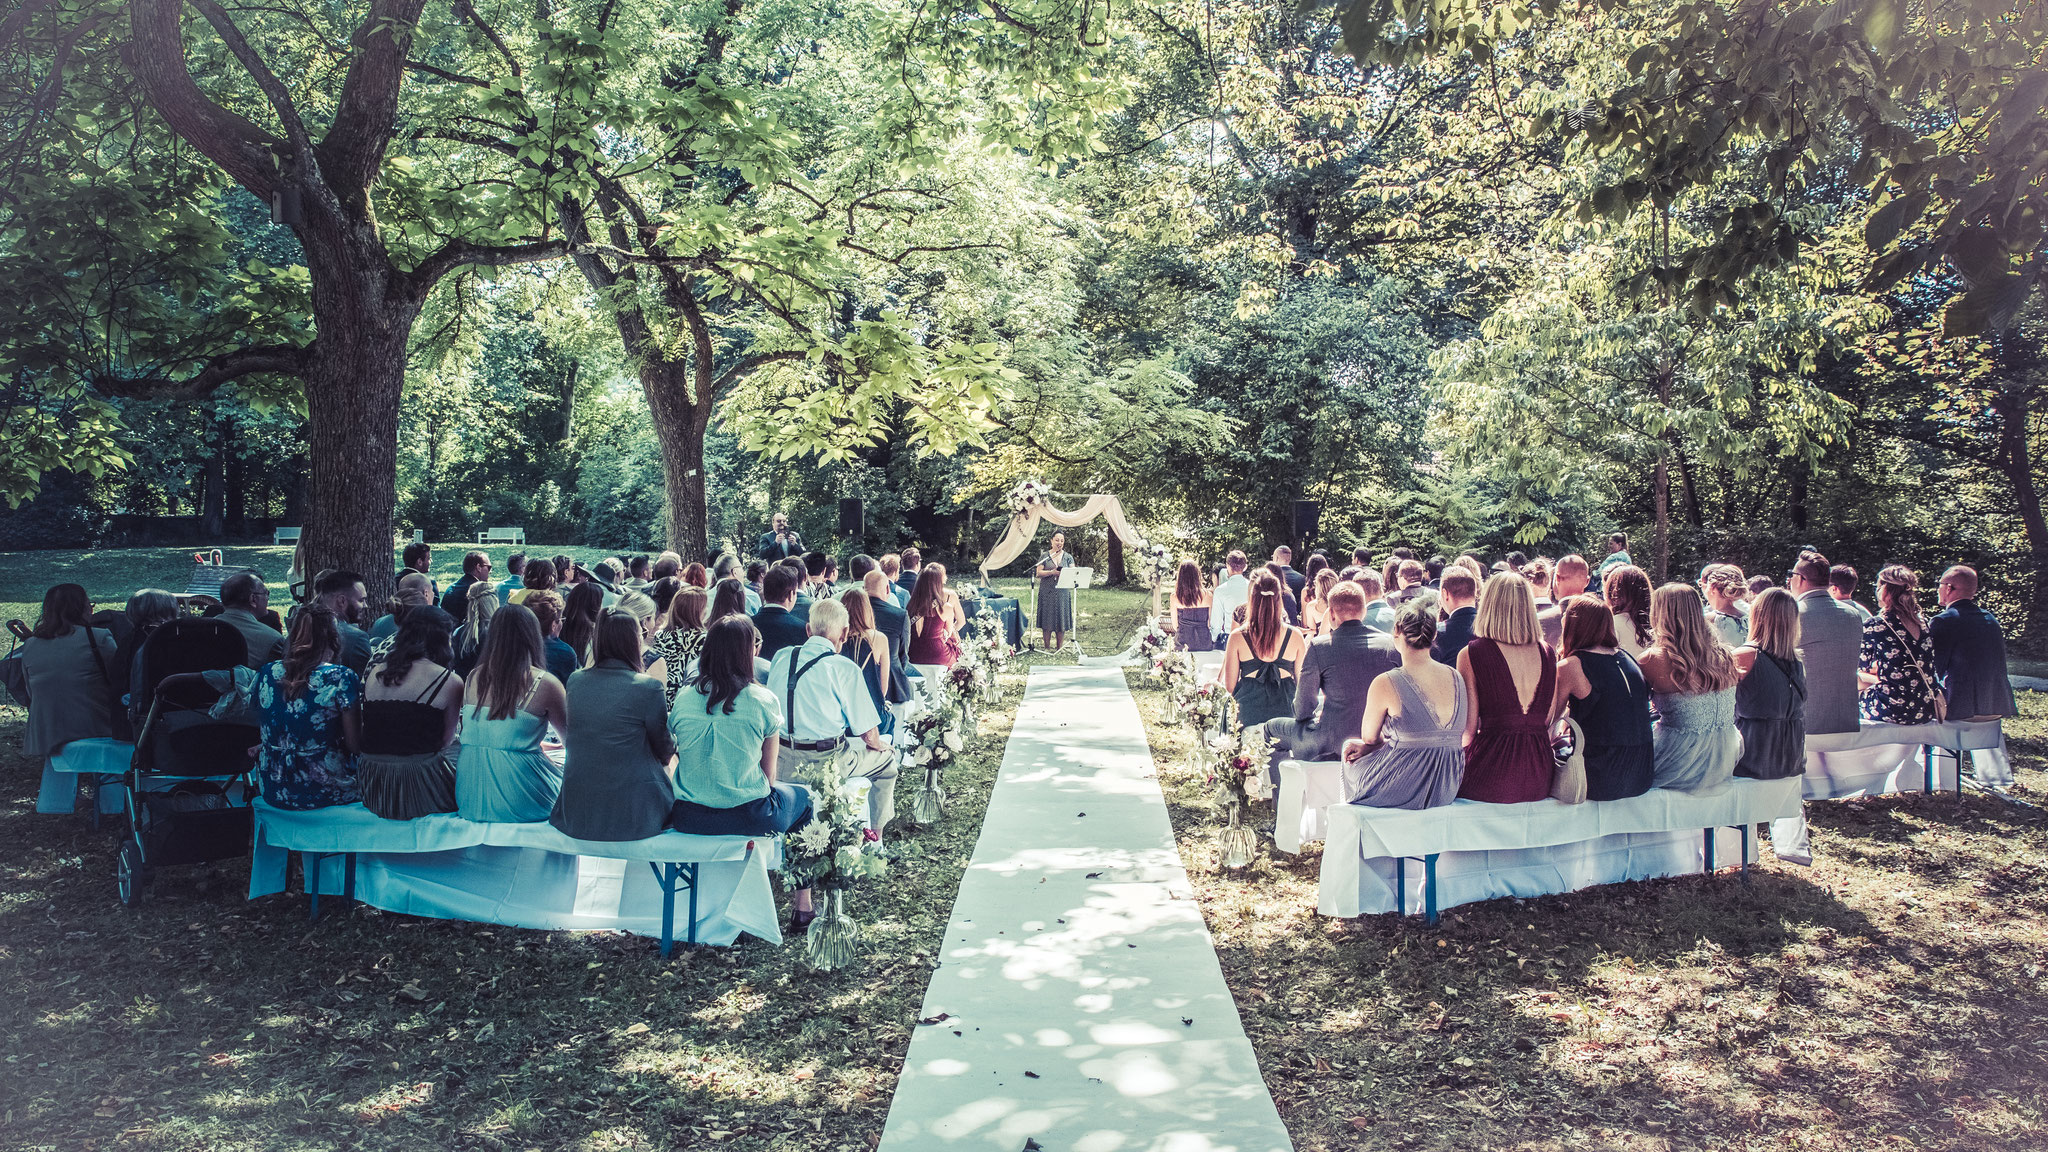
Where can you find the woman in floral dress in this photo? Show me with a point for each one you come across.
(309, 716)
(1896, 662)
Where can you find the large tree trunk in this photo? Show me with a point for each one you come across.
(2016, 462)
(680, 420)
(213, 505)
(1117, 574)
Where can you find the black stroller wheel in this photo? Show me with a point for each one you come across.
(130, 874)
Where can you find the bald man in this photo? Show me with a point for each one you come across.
(1969, 652)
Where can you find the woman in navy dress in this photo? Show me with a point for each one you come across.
(1604, 690)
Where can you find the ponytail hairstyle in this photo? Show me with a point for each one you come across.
(1266, 617)
(314, 642)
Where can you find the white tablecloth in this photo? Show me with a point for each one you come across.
(525, 875)
(1493, 850)
(1881, 758)
(93, 756)
(1306, 788)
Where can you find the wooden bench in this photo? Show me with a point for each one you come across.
(208, 574)
(515, 536)
(284, 536)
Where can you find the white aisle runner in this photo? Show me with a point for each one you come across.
(1078, 1001)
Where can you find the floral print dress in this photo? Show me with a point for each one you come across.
(303, 763)
(1904, 667)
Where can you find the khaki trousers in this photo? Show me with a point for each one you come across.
(879, 767)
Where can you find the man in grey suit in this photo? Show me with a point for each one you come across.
(1830, 636)
(243, 598)
(1969, 652)
(1338, 668)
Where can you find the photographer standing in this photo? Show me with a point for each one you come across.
(780, 542)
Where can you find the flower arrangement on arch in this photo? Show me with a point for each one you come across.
(1027, 494)
(1159, 564)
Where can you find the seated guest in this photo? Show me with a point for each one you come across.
(557, 657)
(1290, 604)
(696, 575)
(341, 592)
(894, 625)
(776, 622)
(1283, 561)
(1315, 610)
(755, 571)
(1230, 595)
(1842, 586)
(1626, 589)
(1317, 563)
(418, 557)
(825, 704)
(801, 607)
(605, 575)
(619, 758)
(148, 609)
(1511, 681)
(728, 598)
(935, 619)
(1337, 670)
(1895, 664)
(636, 572)
(480, 605)
(1191, 605)
(868, 648)
(567, 574)
(414, 591)
(1770, 700)
(1433, 568)
(501, 774)
(1411, 580)
(476, 569)
(1410, 751)
(1969, 652)
(665, 565)
(1617, 556)
(308, 711)
(539, 577)
(1459, 600)
(726, 730)
(515, 571)
(1262, 660)
(1604, 690)
(68, 663)
(1830, 641)
(244, 598)
(913, 567)
(1692, 675)
(1572, 577)
(580, 610)
(1378, 613)
(663, 593)
(1549, 613)
(1757, 584)
(641, 608)
(681, 643)
(412, 708)
(892, 567)
(1723, 585)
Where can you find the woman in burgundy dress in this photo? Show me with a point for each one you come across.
(1511, 678)
(935, 619)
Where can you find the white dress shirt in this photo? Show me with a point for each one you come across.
(831, 700)
(1230, 596)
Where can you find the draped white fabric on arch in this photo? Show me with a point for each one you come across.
(1024, 525)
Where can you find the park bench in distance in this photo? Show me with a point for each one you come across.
(515, 536)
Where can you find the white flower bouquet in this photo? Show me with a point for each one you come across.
(1026, 494)
(836, 849)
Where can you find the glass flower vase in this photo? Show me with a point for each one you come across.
(970, 722)
(930, 802)
(833, 938)
(1236, 845)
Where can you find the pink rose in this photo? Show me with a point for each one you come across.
(870, 835)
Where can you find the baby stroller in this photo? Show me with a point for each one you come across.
(188, 783)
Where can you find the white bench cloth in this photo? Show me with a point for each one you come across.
(1306, 788)
(1487, 851)
(523, 875)
(1883, 758)
(92, 756)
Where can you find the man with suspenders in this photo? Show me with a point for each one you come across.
(825, 703)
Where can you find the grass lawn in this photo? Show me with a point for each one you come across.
(1895, 995)
(203, 1020)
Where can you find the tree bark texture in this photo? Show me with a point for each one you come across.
(2016, 461)
(679, 426)
(1117, 574)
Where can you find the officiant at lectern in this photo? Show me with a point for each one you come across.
(1055, 604)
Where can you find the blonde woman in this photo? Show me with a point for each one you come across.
(1770, 702)
(1315, 605)
(1511, 678)
(1692, 678)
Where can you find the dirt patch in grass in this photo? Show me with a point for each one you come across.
(1893, 995)
(207, 1021)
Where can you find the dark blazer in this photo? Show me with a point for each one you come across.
(779, 629)
(767, 549)
(894, 623)
(908, 582)
(1830, 639)
(355, 647)
(455, 601)
(802, 608)
(1452, 637)
(1969, 656)
(1295, 580)
(1339, 667)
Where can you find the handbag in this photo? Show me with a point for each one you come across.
(1568, 783)
(1940, 701)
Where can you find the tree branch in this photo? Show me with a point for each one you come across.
(467, 11)
(289, 359)
(364, 118)
(463, 254)
(452, 77)
(731, 375)
(273, 90)
(156, 57)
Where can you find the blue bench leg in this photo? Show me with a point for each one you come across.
(692, 869)
(311, 867)
(1744, 829)
(668, 909)
(1710, 853)
(1429, 889)
(1400, 886)
(1927, 764)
